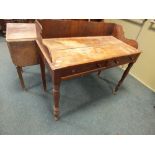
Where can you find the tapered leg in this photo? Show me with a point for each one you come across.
(123, 77)
(19, 71)
(43, 76)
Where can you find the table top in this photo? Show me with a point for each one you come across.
(80, 50)
(21, 32)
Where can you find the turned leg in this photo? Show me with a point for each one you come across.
(56, 95)
(19, 71)
(98, 73)
(123, 77)
(43, 75)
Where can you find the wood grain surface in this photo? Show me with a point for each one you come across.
(79, 50)
(21, 32)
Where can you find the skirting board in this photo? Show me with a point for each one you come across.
(140, 81)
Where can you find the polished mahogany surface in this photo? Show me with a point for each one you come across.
(80, 50)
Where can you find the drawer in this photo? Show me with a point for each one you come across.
(95, 66)
(88, 67)
(121, 61)
(83, 68)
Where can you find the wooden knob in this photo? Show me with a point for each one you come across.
(73, 71)
(131, 58)
(99, 65)
(116, 61)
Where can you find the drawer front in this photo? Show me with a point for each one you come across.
(83, 68)
(121, 60)
(95, 66)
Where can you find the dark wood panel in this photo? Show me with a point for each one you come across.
(74, 28)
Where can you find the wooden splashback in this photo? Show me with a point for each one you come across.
(74, 28)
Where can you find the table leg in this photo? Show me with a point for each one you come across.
(56, 96)
(19, 71)
(43, 75)
(98, 73)
(123, 77)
